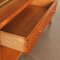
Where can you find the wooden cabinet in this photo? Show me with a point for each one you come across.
(19, 32)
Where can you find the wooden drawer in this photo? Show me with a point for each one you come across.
(21, 26)
(22, 32)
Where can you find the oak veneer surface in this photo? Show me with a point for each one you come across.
(11, 9)
(23, 23)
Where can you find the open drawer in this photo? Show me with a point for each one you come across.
(22, 32)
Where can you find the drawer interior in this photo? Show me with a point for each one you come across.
(23, 23)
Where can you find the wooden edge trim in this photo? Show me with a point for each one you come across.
(13, 41)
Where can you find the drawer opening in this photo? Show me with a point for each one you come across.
(24, 23)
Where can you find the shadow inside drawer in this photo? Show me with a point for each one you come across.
(23, 23)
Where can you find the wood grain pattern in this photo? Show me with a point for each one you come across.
(10, 10)
(31, 26)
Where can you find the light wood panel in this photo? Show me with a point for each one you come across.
(13, 41)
